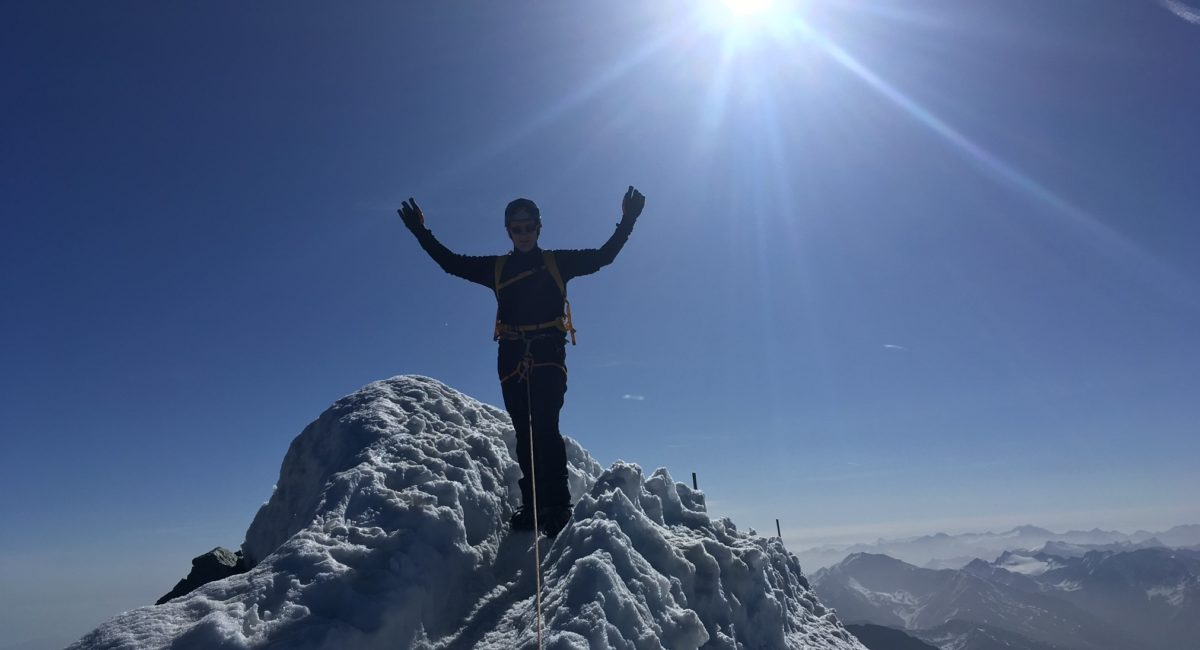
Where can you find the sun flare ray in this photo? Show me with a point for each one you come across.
(1109, 241)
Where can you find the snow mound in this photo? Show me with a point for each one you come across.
(388, 529)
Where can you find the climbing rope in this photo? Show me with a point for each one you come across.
(525, 373)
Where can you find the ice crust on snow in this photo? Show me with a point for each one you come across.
(388, 529)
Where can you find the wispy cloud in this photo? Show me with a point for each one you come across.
(636, 398)
(891, 346)
(1183, 10)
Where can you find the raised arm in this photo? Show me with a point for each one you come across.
(574, 263)
(477, 269)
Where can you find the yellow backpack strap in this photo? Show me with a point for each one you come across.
(552, 267)
(517, 278)
(500, 260)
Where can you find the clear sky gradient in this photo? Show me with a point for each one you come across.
(905, 266)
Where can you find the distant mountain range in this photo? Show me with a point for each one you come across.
(1152, 593)
(1142, 599)
(968, 635)
(885, 591)
(954, 635)
(955, 551)
(879, 637)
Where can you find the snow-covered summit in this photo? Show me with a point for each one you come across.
(388, 529)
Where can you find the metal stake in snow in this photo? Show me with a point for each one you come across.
(777, 533)
(694, 486)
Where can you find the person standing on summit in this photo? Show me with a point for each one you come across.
(533, 319)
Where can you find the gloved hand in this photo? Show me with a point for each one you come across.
(631, 206)
(410, 212)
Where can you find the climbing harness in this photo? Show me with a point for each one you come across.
(524, 369)
(563, 324)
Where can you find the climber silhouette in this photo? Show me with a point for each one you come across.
(532, 324)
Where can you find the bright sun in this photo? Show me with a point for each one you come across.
(744, 23)
(748, 7)
(748, 18)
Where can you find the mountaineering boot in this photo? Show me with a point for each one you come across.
(554, 519)
(522, 519)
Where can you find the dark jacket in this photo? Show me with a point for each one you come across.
(535, 299)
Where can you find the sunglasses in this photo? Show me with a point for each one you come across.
(523, 230)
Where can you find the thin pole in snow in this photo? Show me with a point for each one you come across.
(694, 485)
(777, 532)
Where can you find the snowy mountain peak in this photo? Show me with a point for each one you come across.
(387, 529)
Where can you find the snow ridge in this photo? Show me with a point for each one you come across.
(388, 529)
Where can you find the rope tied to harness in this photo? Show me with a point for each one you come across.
(524, 370)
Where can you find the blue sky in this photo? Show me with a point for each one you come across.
(904, 266)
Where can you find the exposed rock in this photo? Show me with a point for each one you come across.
(217, 564)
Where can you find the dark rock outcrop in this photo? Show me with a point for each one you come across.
(214, 565)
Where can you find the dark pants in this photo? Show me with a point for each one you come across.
(545, 383)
